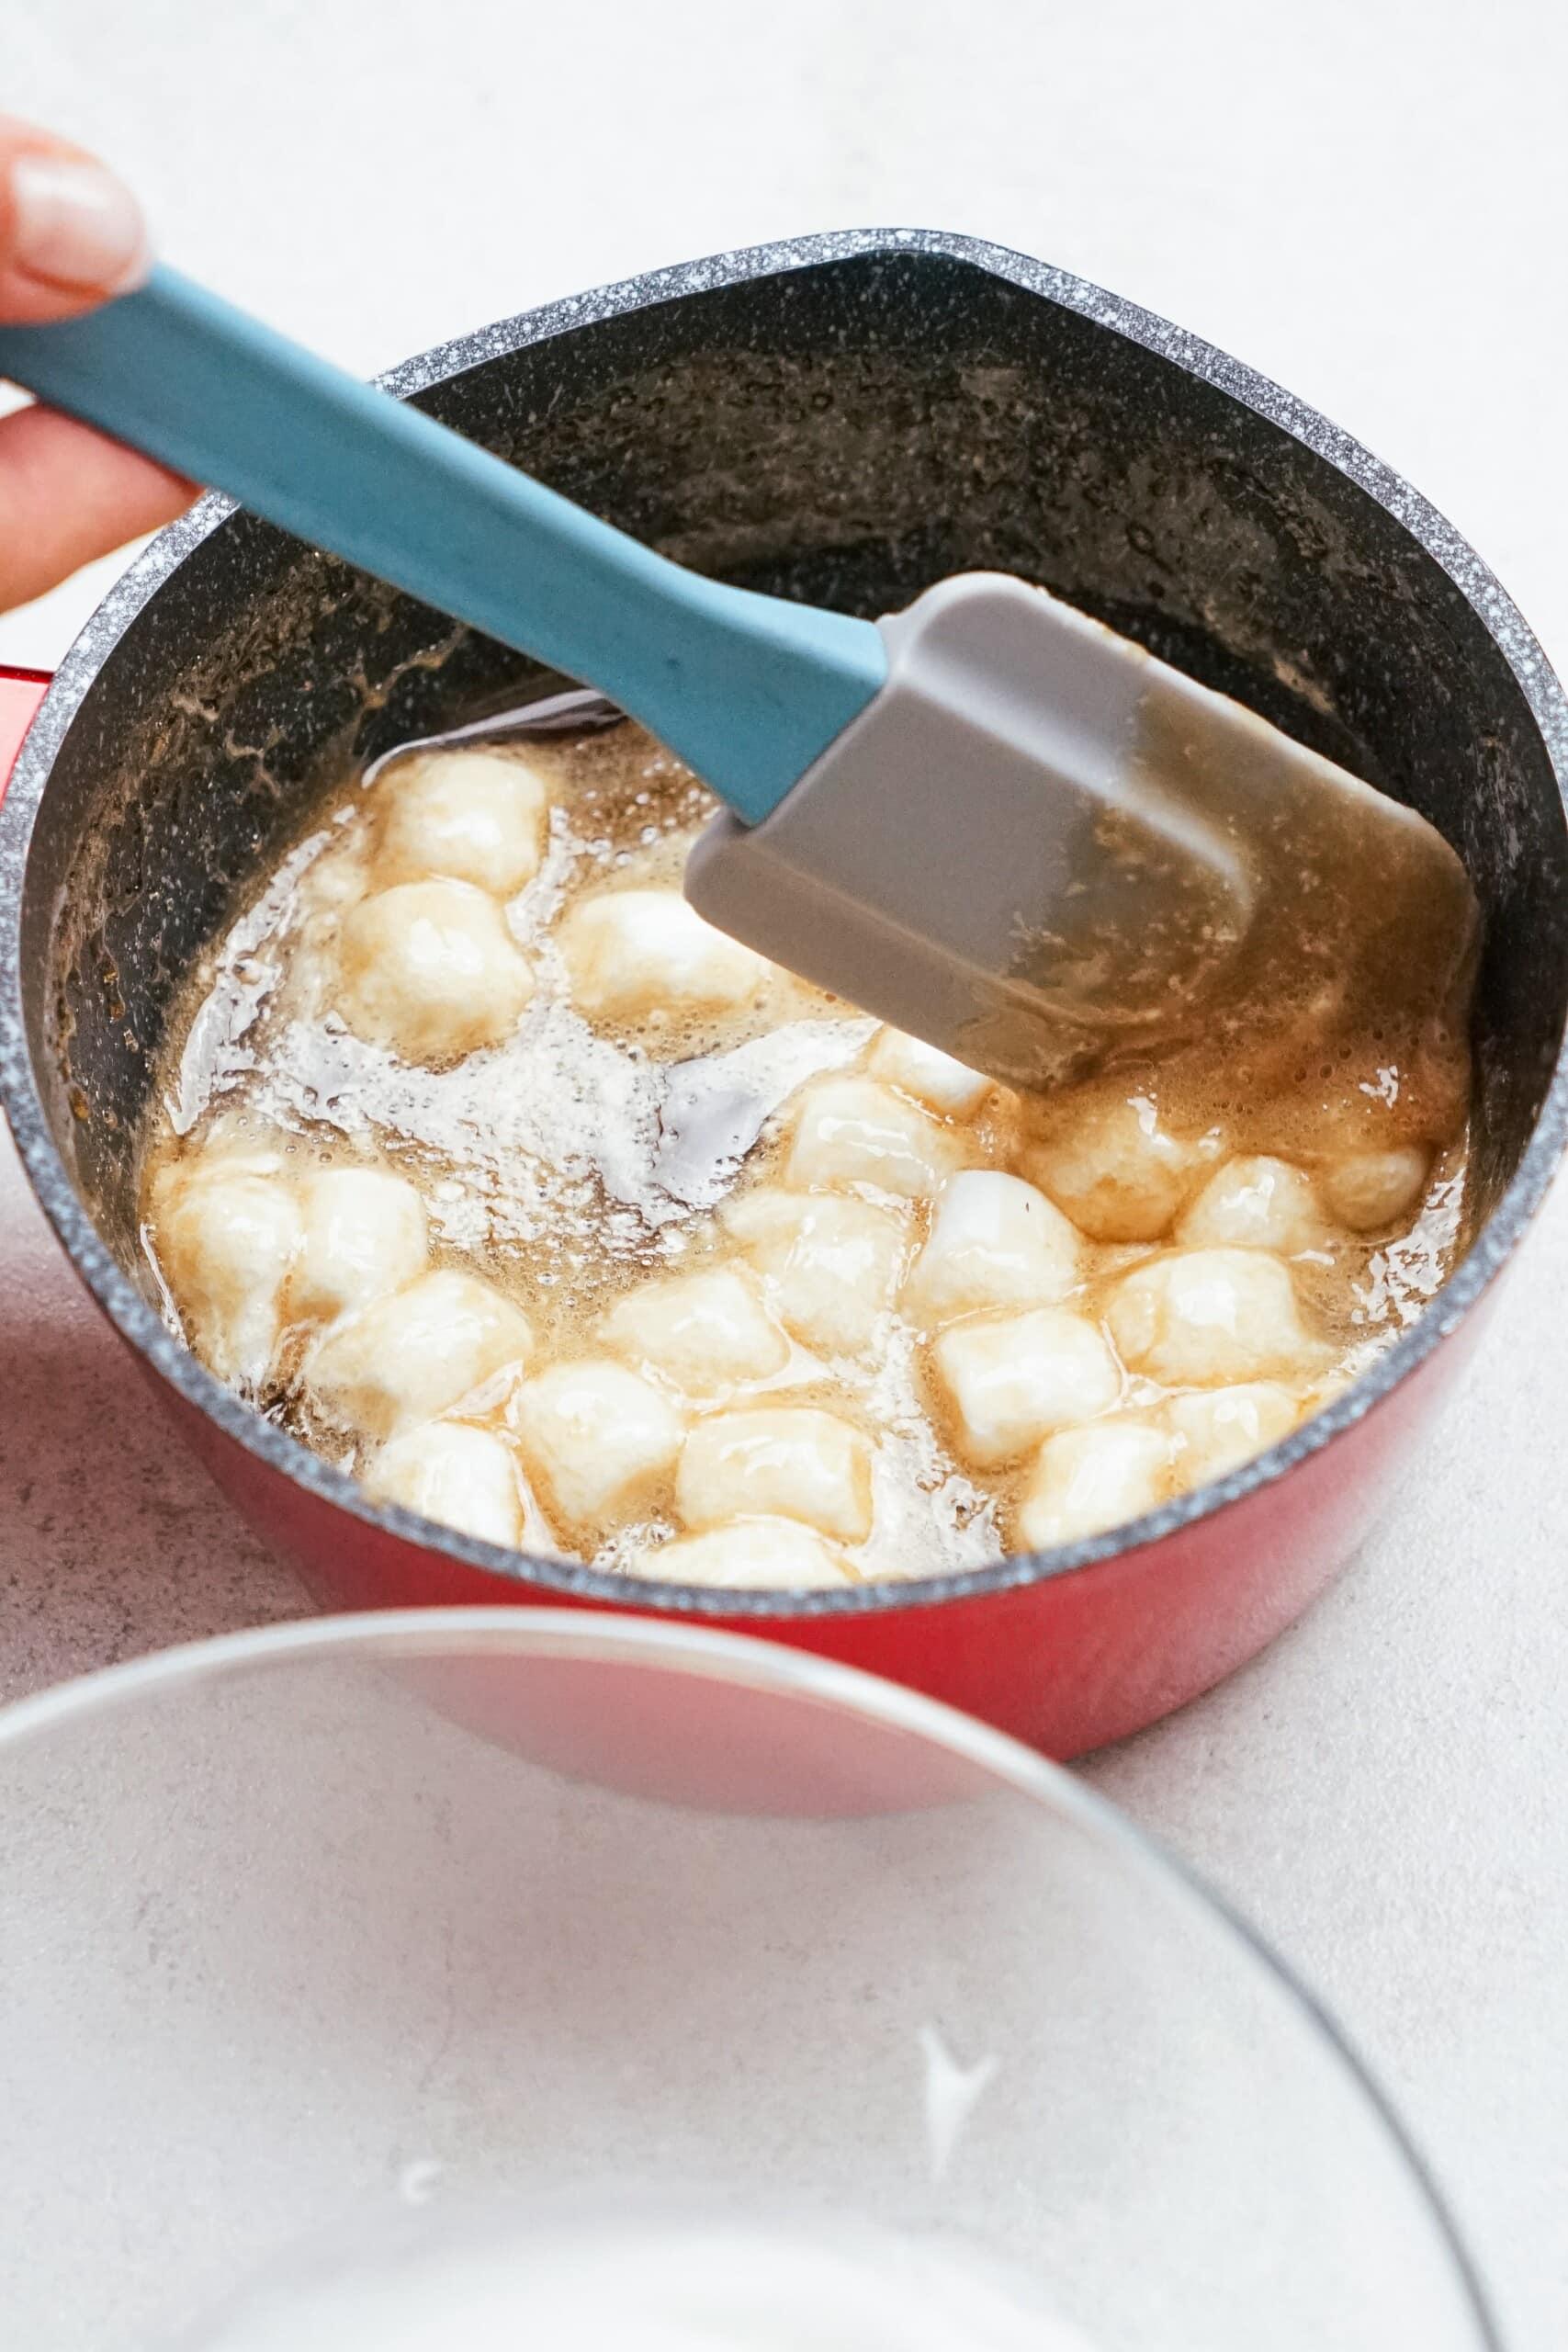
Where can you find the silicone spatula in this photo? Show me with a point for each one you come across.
(980, 818)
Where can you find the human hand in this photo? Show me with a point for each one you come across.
(70, 236)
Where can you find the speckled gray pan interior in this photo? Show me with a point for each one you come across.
(848, 419)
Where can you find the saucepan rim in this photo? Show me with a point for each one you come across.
(141, 1327)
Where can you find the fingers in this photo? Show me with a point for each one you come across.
(67, 495)
(71, 235)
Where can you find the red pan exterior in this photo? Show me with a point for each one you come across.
(21, 691)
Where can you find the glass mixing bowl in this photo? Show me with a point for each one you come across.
(327, 1924)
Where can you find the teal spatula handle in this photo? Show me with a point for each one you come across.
(748, 689)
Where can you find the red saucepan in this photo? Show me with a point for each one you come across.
(846, 419)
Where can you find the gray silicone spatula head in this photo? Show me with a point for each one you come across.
(1039, 845)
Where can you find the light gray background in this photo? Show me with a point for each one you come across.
(1367, 199)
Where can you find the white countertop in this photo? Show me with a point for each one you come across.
(1369, 201)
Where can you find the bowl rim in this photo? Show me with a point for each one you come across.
(138, 1323)
(743, 1661)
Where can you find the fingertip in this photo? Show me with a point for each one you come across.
(71, 232)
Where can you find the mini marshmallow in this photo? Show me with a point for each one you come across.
(829, 1264)
(1218, 1430)
(461, 1477)
(1376, 1188)
(750, 1555)
(632, 952)
(791, 1462)
(1205, 1317)
(707, 1333)
(430, 971)
(228, 1151)
(596, 1438)
(1091, 1478)
(1011, 1380)
(1117, 1171)
(995, 1242)
(227, 1238)
(851, 1131)
(364, 1236)
(933, 1076)
(407, 1358)
(1253, 1204)
(476, 817)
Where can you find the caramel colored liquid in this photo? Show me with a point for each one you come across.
(572, 1162)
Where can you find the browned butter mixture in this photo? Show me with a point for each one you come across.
(486, 1167)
